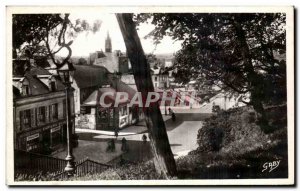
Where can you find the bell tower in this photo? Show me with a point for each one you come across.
(108, 43)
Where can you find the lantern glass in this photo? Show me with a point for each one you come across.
(66, 73)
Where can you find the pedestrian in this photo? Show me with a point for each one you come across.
(170, 111)
(113, 146)
(173, 117)
(124, 145)
(144, 138)
(116, 133)
(108, 147)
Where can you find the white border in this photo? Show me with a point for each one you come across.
(50, 9)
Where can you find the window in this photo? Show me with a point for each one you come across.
(32, 142)
(155, 78)
(53, 86)
(25, 89)
(42, 114)
(25, 118)
(123, 111)
(56, 136)
(53, 111)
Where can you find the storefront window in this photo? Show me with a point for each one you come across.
(56, 136)
(32, 142)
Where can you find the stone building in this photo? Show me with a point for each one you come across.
(39, 110)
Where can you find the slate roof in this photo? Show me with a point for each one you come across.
(94, 98)
(37, 87)
(90, 75)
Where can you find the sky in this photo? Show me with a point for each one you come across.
(86, 43)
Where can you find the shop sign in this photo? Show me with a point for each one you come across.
(34, 136)
(51, 126)
(55, 129)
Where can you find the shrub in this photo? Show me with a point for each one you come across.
(214, 133)
(231, 130)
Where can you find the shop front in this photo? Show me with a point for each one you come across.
(43, 140)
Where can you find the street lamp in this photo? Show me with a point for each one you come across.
(66, 72)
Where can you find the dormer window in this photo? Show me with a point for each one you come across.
(25, 87)
(52, 84)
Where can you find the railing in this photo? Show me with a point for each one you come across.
(33, 162)
(84, 167)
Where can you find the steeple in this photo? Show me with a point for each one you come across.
(108, 43)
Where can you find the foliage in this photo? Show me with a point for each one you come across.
(211, 136)
(127, 171)
(82, 61)
(241, 52)
(46, 34)
(229, 131)
(244, 147)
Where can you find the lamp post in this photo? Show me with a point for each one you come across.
(66, 72)
(116, 126)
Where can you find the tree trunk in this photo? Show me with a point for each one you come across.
(255, 81)
(163, 156)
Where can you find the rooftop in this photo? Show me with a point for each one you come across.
(90, 75)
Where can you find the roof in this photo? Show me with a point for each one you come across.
(155, 71)
(37, 84)
(122, 87)
(110, 98)
(91, 100)
(90, 75)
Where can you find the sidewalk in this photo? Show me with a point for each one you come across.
(140, 128)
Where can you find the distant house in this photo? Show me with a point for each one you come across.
(109, 118)
(160, 77)
(39, 109)
(87, 79)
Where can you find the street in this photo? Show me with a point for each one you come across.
(182, 135)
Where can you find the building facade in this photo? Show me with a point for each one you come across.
(39, 111)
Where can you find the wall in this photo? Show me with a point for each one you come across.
(86, 121)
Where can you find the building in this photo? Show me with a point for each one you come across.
(160, 77)
(87, 79)
(109, 118)
(113, 61)
(39, 106)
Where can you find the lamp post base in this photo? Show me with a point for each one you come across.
(70, 168)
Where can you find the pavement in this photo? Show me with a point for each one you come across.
(127, 131)
(182, 135)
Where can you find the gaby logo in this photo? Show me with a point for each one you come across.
(270, 166)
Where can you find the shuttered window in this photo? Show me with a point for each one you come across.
(32, 113)
(46, 114)
(25, 119)
(50, 113)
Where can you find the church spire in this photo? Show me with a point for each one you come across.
(108, 43)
